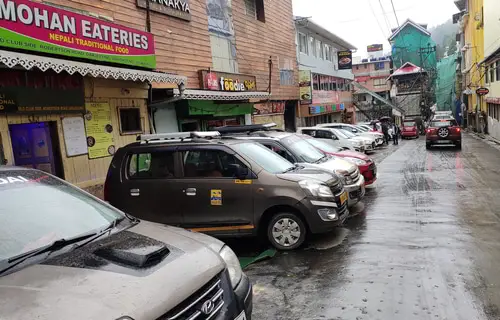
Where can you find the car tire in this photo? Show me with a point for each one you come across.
(417, 136)
(294, 222)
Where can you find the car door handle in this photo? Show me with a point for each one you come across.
(135, 192)
(190, 191)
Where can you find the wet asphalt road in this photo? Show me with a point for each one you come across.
(425, 245)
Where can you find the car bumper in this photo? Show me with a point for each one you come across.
(244, 296)
(356, 191)
(409, 134)
(379, 141)
(369, 172)
(309, 209)
(359, 149)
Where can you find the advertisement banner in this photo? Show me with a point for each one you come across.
(345, 60)
(223, 81)
(305, 87)
(38, 27)
(375, 48)
(99, 130)
(323, 97)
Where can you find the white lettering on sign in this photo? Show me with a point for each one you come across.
(13, 180)
(227, 84)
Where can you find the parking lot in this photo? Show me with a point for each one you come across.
(423, 246)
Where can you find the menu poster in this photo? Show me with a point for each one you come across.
(74, 136)
(305, 89)
(99, 130)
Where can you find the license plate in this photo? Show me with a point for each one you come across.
(443, 141)
(242, 316)
(343, 198)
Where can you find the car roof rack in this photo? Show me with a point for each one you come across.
(178, 136)
(248, 128)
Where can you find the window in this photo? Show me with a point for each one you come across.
(210, 164)
(269, 161)
(366, 66)
(487, 75)
(280, 151)
(323, 134)
(130, 120)
(255, 9)
(286, 78)
(328, 53)
(316, 83)
(492, 73)
(313, 47)
(379, 82)
(319, 49)
(497, 69)
(357, 67)
(156, 165)
(303, 43)
(379, 65)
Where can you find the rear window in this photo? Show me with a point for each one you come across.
(408, 124)
(443, 123)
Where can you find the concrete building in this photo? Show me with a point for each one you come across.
(492, 65)
(326, 94)
(471, 35)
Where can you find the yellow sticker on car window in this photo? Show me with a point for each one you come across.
(216, 197)
(247, 181)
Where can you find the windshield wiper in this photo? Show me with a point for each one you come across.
(322, 159)
(290, 169)
(58, 245)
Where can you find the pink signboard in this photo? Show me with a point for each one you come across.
(322, 96)
(38, 27)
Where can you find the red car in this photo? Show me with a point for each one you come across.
(443, 132)
(366, 165)
(409, 130)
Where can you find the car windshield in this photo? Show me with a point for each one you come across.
(341, 133)
(323, 145)
(408, 124)
(267, 159)
(362, 129)
(55, 210)
(443, 123)
(302, 149)
(348, 133)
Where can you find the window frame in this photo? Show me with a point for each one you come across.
(120, 124)
(300, 35)
(138, 151)
(319, 48)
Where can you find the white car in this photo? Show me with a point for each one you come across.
(339, 139)
(378, 140)
(369, 142)
(379, 137)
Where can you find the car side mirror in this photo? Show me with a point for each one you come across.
(240, 172)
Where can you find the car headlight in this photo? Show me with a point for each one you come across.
(356, 142)
(345, 175)
(316, 189)
(233, 265)
(357, 161)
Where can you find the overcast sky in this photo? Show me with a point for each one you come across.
(356, 20)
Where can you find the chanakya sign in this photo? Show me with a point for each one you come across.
(222, 81)
(174, 8)
(38, 27)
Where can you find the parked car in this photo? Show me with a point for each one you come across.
(409, 129)
(224, 187)
(374, 138)
(365, 164)
(379, 137)
(443, 132)
(339, 140)
(369, 142)
(68, 255)
(295, 149)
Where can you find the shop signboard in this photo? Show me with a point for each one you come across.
(34, 26)
(482, 91)
(223, 81)
(305, 87)
(345, 60)
(325, 97)
(98, 130)
(375, 48)
(272, 107)
(174, 8)
(31, 92)
(315, 110)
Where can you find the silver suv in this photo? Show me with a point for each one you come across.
(67, 255)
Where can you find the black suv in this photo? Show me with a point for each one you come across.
(224, 187)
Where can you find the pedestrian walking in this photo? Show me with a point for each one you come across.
(395, 134)
(385, 131)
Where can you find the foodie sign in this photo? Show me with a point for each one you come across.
(38, 27)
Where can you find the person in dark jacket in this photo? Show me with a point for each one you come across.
(385, 131)
(395, 134)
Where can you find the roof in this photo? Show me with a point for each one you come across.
(407, 68)
(460, 4)
(420, 27)
(309, 24)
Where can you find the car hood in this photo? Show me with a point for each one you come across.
(353, 154)
(310, 172)
(333, 164)
(81, 284)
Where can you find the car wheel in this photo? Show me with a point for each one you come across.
(417, 136)
(286, 231)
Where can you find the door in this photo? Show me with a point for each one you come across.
(33, 146)
(214, 199)
(149, 188)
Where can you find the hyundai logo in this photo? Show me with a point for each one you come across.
(207, 307)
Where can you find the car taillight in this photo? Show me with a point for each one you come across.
(458, 129)
(428, 130)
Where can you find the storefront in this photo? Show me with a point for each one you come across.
(270, 112)
(224, 99)
(68, 117)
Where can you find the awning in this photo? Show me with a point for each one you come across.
(193, 94)
(29, 61)
(210, 108)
